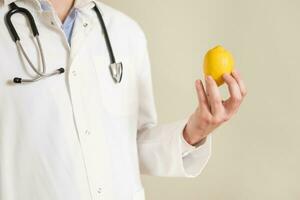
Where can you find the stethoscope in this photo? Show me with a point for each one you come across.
(116, 69)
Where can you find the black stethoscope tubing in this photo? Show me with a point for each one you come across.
(14, 9)
(116, 69)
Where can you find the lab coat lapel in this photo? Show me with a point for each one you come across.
(81, 31)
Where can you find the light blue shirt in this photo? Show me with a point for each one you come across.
(68, 24)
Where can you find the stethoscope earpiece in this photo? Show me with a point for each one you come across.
(17, 80)
(61, 70)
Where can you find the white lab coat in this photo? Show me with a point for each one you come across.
(78, 135)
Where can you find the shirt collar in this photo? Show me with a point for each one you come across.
(82, 3)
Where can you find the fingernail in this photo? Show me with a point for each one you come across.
(207, 77)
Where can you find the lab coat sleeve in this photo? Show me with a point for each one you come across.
(162, 149)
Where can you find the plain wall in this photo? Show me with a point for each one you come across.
(255, 155)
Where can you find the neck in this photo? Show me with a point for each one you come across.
(62, 7)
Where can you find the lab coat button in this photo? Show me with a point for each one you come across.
(99, 190)
(74, 73)
(87, 132)
(85, 25)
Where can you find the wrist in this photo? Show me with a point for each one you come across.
(193, 136)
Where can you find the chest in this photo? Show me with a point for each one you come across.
(86, 63)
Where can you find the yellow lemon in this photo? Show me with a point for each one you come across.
(217, 62)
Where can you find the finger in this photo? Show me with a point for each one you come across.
(235, 98)
(201, 92)
(240, 82)
(202, 98)
(213, 96)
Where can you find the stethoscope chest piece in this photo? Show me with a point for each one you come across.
(116, 70)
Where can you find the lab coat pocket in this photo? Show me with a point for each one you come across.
(118, 99)
(139, 195)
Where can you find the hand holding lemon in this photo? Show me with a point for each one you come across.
(212, 111)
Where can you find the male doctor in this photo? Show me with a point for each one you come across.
(79, 135)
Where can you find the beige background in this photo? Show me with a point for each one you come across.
(256, 155)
